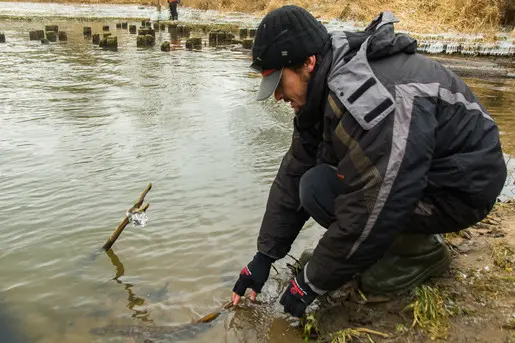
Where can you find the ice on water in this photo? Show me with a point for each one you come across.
(138, 219)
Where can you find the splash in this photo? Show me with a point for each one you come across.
(138, 219)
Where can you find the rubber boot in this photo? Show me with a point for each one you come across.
(304, 258)
(411, 260)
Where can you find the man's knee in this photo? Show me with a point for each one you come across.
(307, 190)
(317, 191)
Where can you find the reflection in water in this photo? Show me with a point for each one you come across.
(134, 301)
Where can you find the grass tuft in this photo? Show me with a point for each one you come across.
(430, 313)
(310, 327)
(503, 255)
(349, 334)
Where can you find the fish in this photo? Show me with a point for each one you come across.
(153, 332)
(159, 294)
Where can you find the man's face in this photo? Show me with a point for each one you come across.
(293, 86)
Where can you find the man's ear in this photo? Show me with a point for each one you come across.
(310, 63)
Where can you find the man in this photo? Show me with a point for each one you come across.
(173, 9)
(389, 150)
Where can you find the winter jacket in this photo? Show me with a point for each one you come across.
(395, 124)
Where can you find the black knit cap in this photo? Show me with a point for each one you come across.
(287, 36)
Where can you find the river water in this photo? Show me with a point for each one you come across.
(82, 133)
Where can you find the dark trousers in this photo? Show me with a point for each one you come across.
(437, 212)
(173, 11)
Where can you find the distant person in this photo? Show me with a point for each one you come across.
(173, 9)
(389, 150)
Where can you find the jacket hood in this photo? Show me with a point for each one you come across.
(384, 41)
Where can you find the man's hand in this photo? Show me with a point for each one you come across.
(297, 296)
(254, 276)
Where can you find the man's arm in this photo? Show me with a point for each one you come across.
(284, 216)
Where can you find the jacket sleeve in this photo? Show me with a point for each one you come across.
(284, 216)
(383, 174)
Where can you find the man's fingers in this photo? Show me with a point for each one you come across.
(235, 299)
(253, 295)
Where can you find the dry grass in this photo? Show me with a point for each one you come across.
(309, 324)
(430, 313)
(416, 15)
(503, 255)
(352, 334)
(422, 16)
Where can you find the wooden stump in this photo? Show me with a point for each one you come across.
(33, 35)
(150, 40)
(165, 46)
(162, 27)
(40, 34)
(247, 43)
(172, 28)
(132, 29)
(54, 28)
(86, 31)
(96, 39)
(186, 30)
(145, 40)
(156, 26)
(118, 25)
(194, 43)
(124, 25)
(243, 33)
(140, 41)
(146, 31)
(62, 36)
(110, 42)
(105, 28)
(51, 36)
(219, 37)
(148, 24)
(252, 33)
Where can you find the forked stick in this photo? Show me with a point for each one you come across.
(135, 208)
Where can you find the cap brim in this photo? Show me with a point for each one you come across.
(268, 85)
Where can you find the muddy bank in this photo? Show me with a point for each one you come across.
(473, 302)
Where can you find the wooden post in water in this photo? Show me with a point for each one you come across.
(51, 36)
(135, 208)
(95, 38)
(86, 31)
(62, 36)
